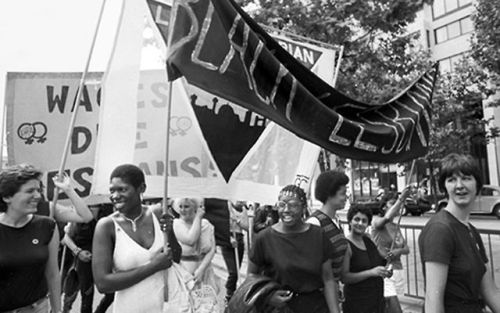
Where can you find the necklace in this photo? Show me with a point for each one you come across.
(134, 221)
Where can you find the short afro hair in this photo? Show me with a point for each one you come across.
(455, 163)
(328, 184)
(129, 173)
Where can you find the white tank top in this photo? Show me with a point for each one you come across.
(147, 295)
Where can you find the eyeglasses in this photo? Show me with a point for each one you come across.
(291, 205)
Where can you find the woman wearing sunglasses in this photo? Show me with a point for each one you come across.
(297, 256)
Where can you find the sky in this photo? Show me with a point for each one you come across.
(54, 36)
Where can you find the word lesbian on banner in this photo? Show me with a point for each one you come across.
(216, 46)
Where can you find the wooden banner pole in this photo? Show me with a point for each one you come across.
(398, 224)
(75, 109)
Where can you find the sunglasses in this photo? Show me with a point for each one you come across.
(291, 205)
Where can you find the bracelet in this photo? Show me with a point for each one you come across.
(77, 252)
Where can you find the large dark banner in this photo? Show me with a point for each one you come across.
(220, 49)
(230, 131)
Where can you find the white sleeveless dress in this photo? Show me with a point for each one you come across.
(147, 295)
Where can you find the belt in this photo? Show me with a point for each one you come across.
(29, 306)
(307, 293)
(194, 258)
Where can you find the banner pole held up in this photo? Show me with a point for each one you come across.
(167, 148)
(398, 224)
(75, 110)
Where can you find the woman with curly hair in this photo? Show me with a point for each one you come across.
(363, 271)
(194, 275)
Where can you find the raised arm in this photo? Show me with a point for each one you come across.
(105, 279)
(379, 222)
(79, 213)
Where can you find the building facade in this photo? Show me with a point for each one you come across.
(445, 28)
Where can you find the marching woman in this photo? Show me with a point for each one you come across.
(391, 245)
(28, 246)
(363, 269)
(127, 252)
(457, 278)
(194, 278)
(297, 256)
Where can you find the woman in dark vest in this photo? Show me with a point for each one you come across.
(363, 271)
(28, 245)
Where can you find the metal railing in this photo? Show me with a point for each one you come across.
(412, 264)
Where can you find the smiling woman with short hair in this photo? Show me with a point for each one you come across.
(28, 245)
(452, 252)
(128, 256)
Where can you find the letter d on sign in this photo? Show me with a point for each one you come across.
(78, 147)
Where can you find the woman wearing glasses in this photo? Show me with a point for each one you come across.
(297, 256)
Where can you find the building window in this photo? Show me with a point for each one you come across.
(441, 34)
(453, 30)
(449, 64)
(450, 5)
(438, 8)
(466, 25)
(443, 7)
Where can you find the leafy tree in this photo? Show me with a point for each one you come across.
(458, 121)
(380, 58)
(486, 42)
